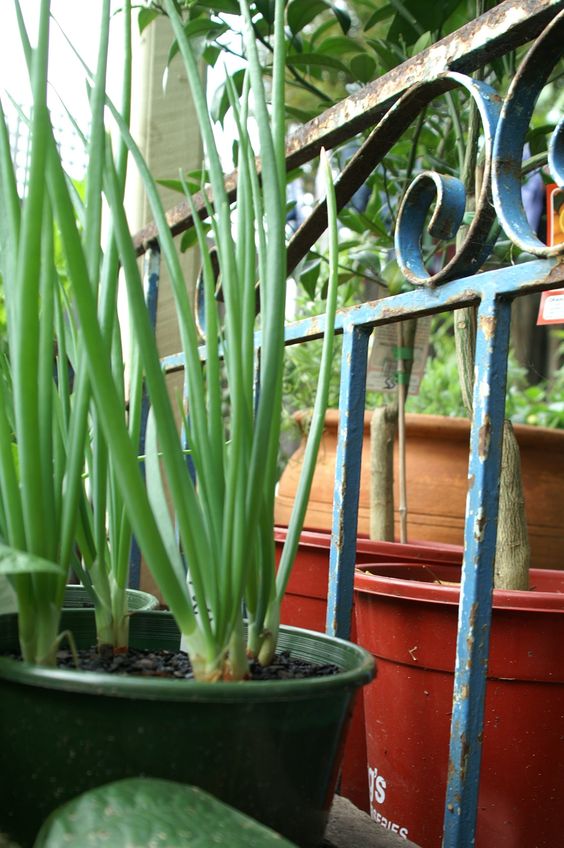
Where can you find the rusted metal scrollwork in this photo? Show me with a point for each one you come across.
(504, 126)
(449, 196)
(510, 140)
(448, 191)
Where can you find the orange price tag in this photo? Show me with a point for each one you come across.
(554, 214)
(551, 310)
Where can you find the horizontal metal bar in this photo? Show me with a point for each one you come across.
(518, 280)
(509, 25)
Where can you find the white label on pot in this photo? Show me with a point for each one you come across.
(382, 363)
(553, 307)
(377, 785)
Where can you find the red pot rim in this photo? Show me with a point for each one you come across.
(440, 551)
(416, 582)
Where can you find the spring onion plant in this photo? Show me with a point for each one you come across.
(213, 558)
(59, 504)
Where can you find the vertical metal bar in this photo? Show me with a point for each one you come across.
(477, 574)
(347, 481)
(151, 280)
(184, 432)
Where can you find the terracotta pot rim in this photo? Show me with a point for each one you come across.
(430, 592)
(450, 426)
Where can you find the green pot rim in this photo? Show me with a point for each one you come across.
(141, 600)
(356, 662)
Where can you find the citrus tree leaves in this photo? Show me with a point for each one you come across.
(300, 14)
(203, 31)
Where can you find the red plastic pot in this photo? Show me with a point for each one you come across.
(305, 605)
(408, 621)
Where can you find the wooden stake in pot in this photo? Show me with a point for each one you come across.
(387, 421)
(404, 356)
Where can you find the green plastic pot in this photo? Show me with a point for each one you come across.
(77, 596)
(270, 749)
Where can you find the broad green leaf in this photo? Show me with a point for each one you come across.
(192, 179)
(317, 36)
(230, 7)
(343, 17)
(338, 46)
(390, 54)
(200, 30)
(13, 561)
(393, 276)
(310, 275)
(422, 43)
(138, 812)
(378, 16)
(266, 8)
(146, 16)
(363, 67)
(220, 102)
(190, 238)
(316, 60)
(300, 14)
(211, 54)
(413, 18)
(304, 115)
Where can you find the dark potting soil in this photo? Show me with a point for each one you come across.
(175, 664)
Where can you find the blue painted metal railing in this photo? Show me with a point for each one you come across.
(457, 285)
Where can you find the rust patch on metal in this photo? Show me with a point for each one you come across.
(557, 272)
(469, 646)
(314, 328)
(465, 752)
(484, 438)
(468, 296)
(487, 326)
(479, 524)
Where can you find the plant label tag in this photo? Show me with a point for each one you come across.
(551, 310)
(382, 361)
(554, 214)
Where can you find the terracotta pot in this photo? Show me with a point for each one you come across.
(408, 621)
(437, 480)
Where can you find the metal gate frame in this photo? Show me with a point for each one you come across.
(390, 104)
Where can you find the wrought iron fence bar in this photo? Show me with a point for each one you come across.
(475, 610)
(151, 281)
(509, 25)
(347, 480)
